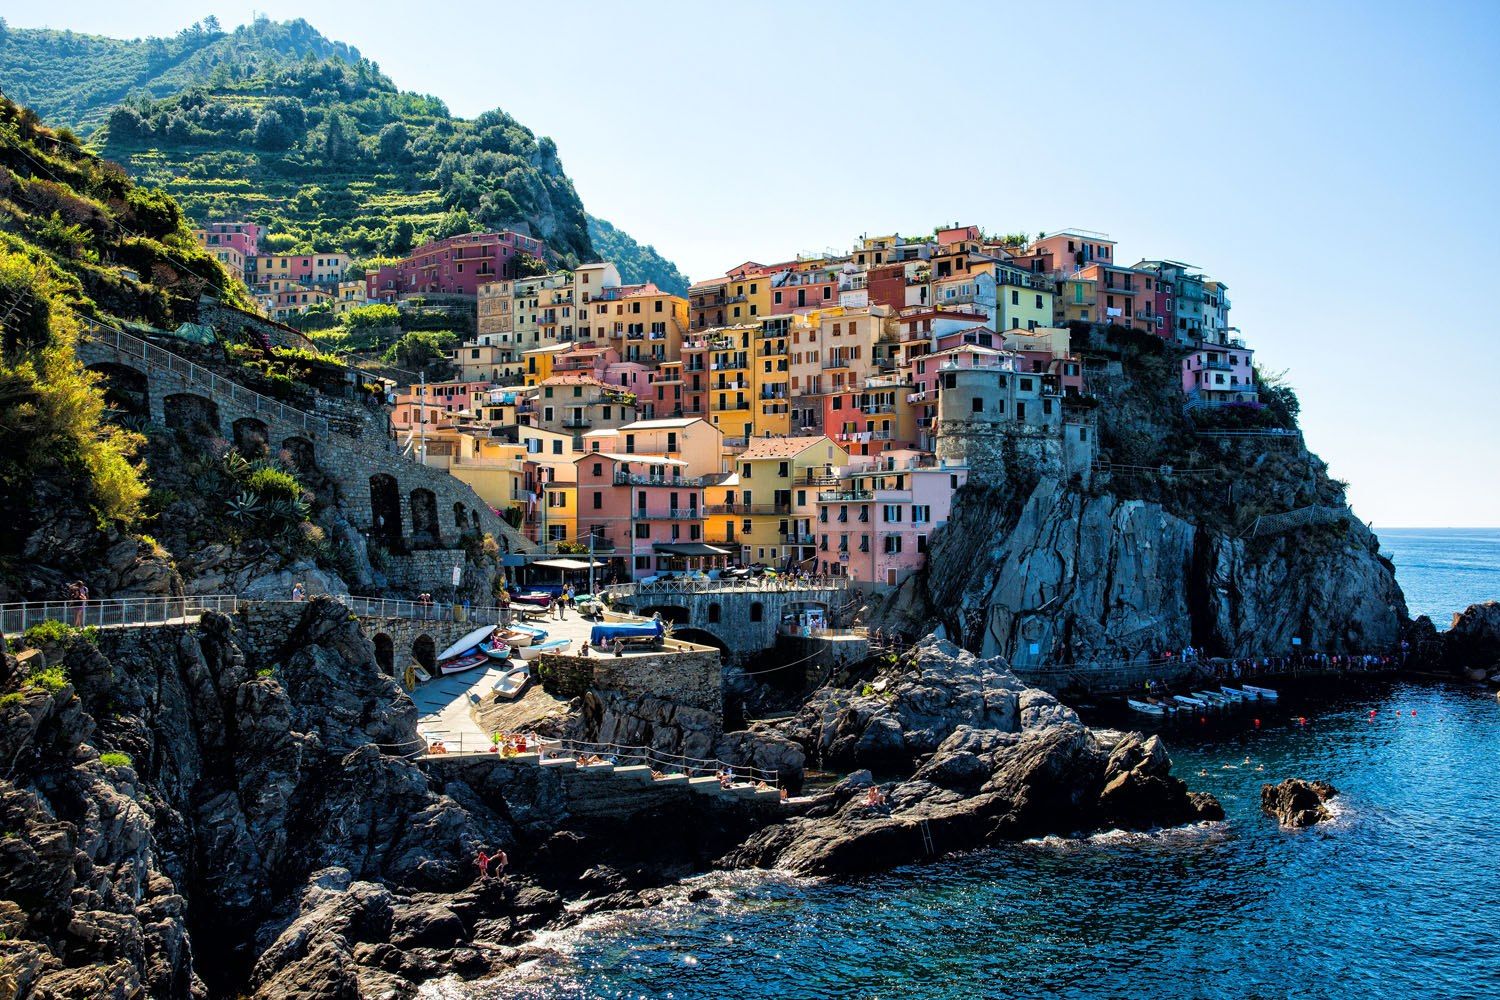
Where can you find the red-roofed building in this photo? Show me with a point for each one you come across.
(457, 265)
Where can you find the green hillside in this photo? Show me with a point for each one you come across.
(636, 262)
(274, 123)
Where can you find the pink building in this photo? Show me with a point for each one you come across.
(801, 291)
(874, 525)
(439, 402)
(1220, 373)
(242, 236)
(644, 505)
(457, 265)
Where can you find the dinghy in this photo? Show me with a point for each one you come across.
(525, 635)
(467, 643)
(534, 599)
(458, 664)
(539, 649)
(1265, 694)
(497, 648)
(1183, 699)
(1212, 698)
(1145, 706)
(510, 685)
(1234, 694)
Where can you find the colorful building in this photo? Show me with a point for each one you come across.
(770, 472)
(873, 526)
(457, 265)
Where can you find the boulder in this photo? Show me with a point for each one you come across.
(1296, 803)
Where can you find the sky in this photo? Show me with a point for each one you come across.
(1334, 164)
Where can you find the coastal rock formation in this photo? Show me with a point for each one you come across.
(999, 761)
(1296, 803)
(244, 761)
(1473, 640)
(908, 714)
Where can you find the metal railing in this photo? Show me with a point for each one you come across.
(18, 617)
(704, 585)
(616, 754)
(152, 356)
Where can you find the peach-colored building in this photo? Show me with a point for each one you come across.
(642, 505)
(873, 526)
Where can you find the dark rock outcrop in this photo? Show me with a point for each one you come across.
(1473, 640)
(1297, 803)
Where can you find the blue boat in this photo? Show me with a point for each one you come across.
(603, 635)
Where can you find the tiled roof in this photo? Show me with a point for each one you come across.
(786, 447)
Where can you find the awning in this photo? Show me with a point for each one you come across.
(566, 563)
(689, 549)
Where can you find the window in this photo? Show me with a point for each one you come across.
(976, 405)
(598, 468)
(892, 544)
(643, 530)
(598, 500)
(783, 469)
(757, 611)
(714, 613)
(921, 513)
(892, 513)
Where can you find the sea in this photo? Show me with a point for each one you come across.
(1398, 896)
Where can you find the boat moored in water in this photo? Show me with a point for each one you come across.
(1183, 699)
(1264, 694)
(1149, 708)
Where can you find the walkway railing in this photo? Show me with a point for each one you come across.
(696, 585)
(1271, 524)
(616, 753)
(17, 618)
(152, 356)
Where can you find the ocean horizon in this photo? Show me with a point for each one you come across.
(1443, 570)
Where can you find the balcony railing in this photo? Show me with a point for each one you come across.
(577, 423)
(837, 496)
(669, 514)
(748, 509)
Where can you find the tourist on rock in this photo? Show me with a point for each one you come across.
(299, 593)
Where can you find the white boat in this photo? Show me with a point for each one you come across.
(1234, 694)
(468, 642)
(511, 684)
(1211, 697)
(1183, 699)
(1265, 694)
(525, 635)
(1145, 706)
(540, 649)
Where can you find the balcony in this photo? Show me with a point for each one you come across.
(577, 423)
(636, 479)
(1218, 366)
(731, 406)
(798, 538)
(748, 510)
(878, 408)
(838, 496)
(838, 362)
(668, 514)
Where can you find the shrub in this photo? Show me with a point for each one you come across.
(273, 484)
(48, 633)
(13, 698)
(50, 679)
(116, 759)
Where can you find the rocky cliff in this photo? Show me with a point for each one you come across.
(1160, 553)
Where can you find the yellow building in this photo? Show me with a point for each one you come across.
(728, 386)
(770, 379)
(537, 363)
(1024, 301)
(557, 512)
(642, 322)
(747, 297)
(771, 470)
(1075, 301)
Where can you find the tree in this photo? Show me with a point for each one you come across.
(211, 25)
(400, 237)
(529, 265)
(156, 53)
(423, 351)
(392, 143)
(271, 132)
(455, 222)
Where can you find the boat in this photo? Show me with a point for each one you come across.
(1265, 694)
(1211, 697)
(533, 599)
(510, 685)
(458, 664)
(1183, 699)
(524, 635)
(467, 643)
(539, 649)
(1235, 694)
(1147, 707)
(497, 648)
(602, 635)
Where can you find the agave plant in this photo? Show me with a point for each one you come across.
(244, 508)
(235, 466)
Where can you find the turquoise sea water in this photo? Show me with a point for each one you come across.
(1398, 897)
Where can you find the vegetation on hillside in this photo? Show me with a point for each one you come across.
(636, 262)
(273, 123)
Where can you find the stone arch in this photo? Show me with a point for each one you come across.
(424, 651)
(385, 654)
(385, 509)
(189, 411)
(757, 611)
(460, 517)
(424, 517)
(702, 637)
(126, 389)
(715, 613)
(252, 438)
(301, 452)
(669, 613)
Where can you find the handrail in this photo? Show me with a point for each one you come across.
(155, 357)
(17, 617)
(698, 586)
(621, 754)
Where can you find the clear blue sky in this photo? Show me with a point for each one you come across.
(1335, 164)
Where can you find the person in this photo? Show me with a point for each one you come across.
(499, 861)
(567, 594)
(584, 650)
(298, 592)
(504, 606)
(557, 605)
(81, 593)
(482, 860)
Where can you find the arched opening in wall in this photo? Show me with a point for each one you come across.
(424, 651)
(714, 613)
(126, 391)
(385, 654)
(460, 517)
(385, 510)
(475, 522)
(757, 611)
(701, 636)
(424, 518)
(669, 613)
(252, 438)
(300, 452)
(190, 412)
